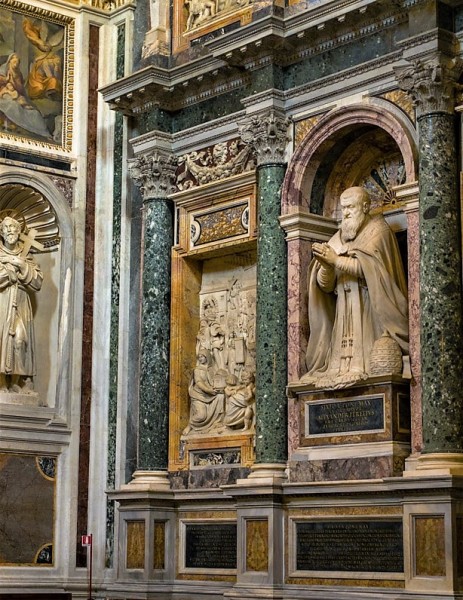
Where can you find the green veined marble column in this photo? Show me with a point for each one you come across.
(440, 286)
(268, 135)
(154, 173)
(431, 85)
(271, 320)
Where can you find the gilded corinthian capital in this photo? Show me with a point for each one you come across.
(267, 134)
(154, 174)
(431, 83)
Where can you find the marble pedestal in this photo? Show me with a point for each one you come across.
(359, 432)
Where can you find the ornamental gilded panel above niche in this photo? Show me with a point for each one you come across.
(195, 18)
(36, 75)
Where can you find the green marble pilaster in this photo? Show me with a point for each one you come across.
(154, 174)
(267, 134)
(431, 84)
(271, 324)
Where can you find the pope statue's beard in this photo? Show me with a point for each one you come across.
(350, 227)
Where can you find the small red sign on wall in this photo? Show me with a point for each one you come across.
(86, 540)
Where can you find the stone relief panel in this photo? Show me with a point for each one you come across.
(194, 18)
(222, 390)
(203, 11)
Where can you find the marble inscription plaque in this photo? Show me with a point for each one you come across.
(368, 546)
(210, 546)
(359, 414)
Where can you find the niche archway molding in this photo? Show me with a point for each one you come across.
(304, 163)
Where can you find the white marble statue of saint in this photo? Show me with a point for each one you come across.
(357, 296)
(19, 276)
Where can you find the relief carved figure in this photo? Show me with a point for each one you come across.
(357, 300)
(19, 277)
(206, 396)
(221, 389)
(199, 11)
(202, 11)
(240, 399)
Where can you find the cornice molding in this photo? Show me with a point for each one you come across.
(233, 55)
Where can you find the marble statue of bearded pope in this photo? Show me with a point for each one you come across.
(357, 294)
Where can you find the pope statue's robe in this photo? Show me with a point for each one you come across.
(354, 304)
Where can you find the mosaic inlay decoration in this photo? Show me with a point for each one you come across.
(36, 75)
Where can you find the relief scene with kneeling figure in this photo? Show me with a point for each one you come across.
(222, 390)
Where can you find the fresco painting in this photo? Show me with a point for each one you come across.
(31, 76)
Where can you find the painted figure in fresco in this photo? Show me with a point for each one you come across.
(19, 275)
(14, 101)
(45, 79)
(357, 296)
(206, 396)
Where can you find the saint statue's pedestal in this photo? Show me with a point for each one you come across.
(358, 432)
(21, 398)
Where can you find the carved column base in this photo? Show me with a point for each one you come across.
(149, 481)
(437, 463)
(266, 474)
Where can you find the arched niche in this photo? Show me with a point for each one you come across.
(365, 145)
(45, 209)
(373, 145)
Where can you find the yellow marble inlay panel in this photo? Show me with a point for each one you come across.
(257, 545)
(303, 128)
(403, 101)
(159, 539)
(135, 545)
(429, 546)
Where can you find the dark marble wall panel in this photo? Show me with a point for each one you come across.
(27, 496)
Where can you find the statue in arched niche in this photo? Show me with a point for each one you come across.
(20, 276)
(358, 310)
